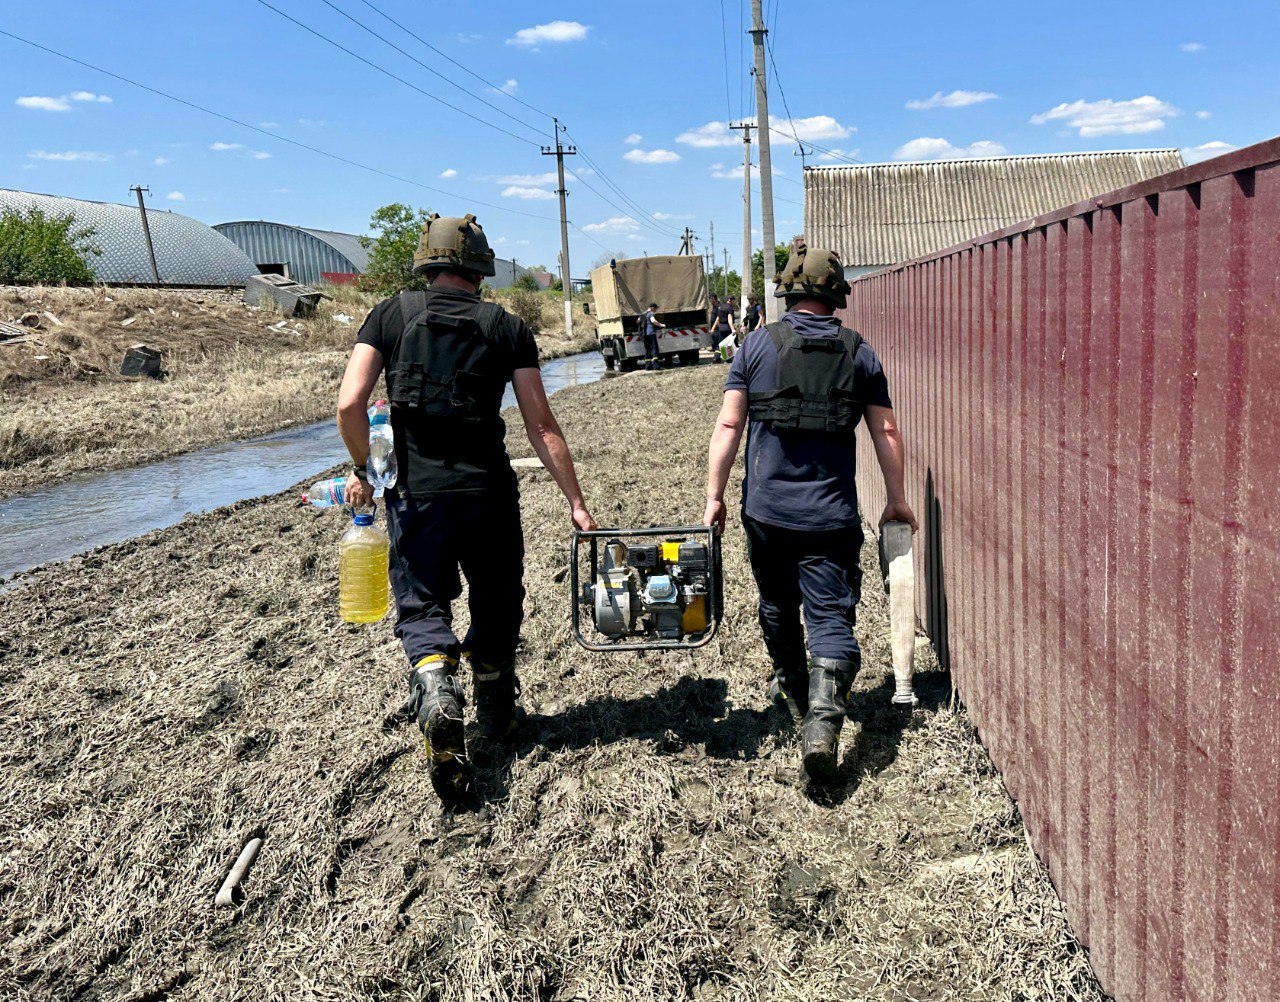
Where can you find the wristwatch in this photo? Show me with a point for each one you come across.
(361, 472)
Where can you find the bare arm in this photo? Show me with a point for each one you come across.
(725, 439)
(358, 382)
(891, 454)
(548, 441)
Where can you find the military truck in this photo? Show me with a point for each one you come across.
(623, 291)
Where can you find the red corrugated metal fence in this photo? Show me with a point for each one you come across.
(1091, 404)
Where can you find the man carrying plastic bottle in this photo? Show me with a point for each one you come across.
(448, 357)
(805, 382)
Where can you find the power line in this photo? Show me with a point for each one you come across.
(265, 132)
(386, 72)
(790, 120)
(635, 206)
(430, 69)
(455, 62)
(724, 45)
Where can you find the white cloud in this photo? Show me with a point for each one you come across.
(509, 87)
(89, 96)
(634, 139)
(614, 224)
(813, 128)
(160, 161)
(465, 38)
(1107, 117)
(554, 31)
(268, 125)
(672, 215)
(449, 172)
(220, 146)
(176, 196)
(36, 103)
(651, 156)
(68, 156)
(522, 179)
(1194, 154)
(525, 192)
(1204, 114)
(260, 155)
(312, 123)
(735, 173)
(927, 148)
(956, 99)
(634, 236)
(1192, 47)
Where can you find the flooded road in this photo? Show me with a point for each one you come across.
(84, 512)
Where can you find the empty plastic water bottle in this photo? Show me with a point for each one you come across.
(327, 493)
(382, 447)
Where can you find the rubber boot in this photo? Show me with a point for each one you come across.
(499, 713)
(829, 682)
(789, 690)
(436, 699)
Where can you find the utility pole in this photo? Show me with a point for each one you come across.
(758, 31)
(686, 242)
(745, 128)
(712, 226)
(724, 277)
(146, 232)
(560, 152)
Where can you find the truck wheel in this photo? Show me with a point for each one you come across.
(627, 364)
(689, 357)
(609, 363)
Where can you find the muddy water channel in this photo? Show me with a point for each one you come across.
(79, 514)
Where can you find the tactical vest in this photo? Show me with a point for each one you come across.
(446, 366)
(815, 390)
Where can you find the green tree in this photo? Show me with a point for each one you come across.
(396, 228)
(780, 254)
(527, 282)
(49, 249)
(716, 282)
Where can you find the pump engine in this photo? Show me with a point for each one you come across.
(649, 595)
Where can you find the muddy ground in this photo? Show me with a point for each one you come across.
(163, 700)
(233, 371)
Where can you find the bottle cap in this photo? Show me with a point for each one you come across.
(364, 518)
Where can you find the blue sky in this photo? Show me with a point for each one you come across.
(644, 89)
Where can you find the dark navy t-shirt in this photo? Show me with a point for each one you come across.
(795, 479)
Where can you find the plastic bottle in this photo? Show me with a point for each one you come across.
(382, 447)
(363, 587)
(327, 493)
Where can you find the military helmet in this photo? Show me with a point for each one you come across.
(452, 242)
(811, 271)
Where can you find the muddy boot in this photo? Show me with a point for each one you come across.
(499, 713)
(435, 698)
(789, 690)
(829, 682)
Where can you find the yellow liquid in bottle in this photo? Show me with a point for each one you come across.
(364, 591)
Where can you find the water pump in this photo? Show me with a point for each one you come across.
(655, 589)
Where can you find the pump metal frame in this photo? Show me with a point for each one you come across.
(715, 585)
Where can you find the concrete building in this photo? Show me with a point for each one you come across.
(187, 251)
(876, 215)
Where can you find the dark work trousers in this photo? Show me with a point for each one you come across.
(816, 570)
(431, 539)
(651, 346)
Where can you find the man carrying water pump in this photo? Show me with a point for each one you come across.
(805, 382)
(448, 357)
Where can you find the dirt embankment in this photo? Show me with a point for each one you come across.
(233, 372)
(165, 699)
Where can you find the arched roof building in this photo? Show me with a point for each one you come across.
(188, 252)
(305, 255)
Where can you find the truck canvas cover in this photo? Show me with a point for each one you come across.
(674, 282)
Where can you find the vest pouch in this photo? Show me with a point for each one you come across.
(446, 366)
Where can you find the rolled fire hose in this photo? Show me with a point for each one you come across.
(901, 581)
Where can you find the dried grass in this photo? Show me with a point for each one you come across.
(165, 699)
(233, 373)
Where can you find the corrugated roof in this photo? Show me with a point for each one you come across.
(877, 214)
(187, 251)
(310, 254)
